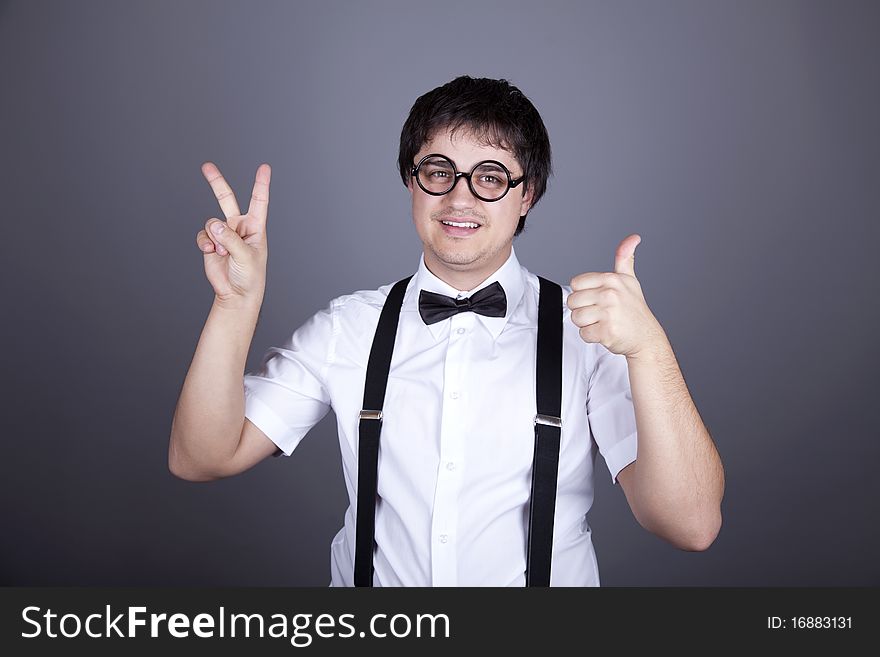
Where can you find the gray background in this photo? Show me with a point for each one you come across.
(740, 139)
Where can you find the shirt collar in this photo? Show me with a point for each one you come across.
(509, 275)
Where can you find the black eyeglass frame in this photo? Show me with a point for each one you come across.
(511, 183)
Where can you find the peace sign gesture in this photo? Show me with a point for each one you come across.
(236, 250)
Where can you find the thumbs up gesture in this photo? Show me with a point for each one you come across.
(609, 307)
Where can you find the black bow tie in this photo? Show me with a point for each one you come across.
(490, 301)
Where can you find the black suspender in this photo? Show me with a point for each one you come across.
(369, 428)
(548, 430)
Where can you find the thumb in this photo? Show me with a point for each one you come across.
(625, 258)
(226, 236)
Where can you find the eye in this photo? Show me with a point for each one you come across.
(490, 176)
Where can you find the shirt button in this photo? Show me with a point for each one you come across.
(450, 466)
(443, 538)
(454, 395)
(460, 331)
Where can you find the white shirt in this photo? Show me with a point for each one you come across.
(458, 435)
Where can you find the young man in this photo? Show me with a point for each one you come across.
(474, 484)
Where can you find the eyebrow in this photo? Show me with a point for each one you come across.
(439, 159)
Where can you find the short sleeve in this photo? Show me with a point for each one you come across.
(610, 411)
(287, 395)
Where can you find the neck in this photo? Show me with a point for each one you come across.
(463, 280)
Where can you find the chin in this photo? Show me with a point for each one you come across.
(457, 259)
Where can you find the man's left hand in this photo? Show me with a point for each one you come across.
(609, 307)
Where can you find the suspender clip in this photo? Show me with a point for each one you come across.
(371, 415)
(549, 420)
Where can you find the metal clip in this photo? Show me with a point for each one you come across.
(371, 415)
(549, 420)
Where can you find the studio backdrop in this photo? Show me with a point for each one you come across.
(739, 139)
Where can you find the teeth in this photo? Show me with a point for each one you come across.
(462, 224)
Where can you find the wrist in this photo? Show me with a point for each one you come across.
(657, 350)
(239, 303)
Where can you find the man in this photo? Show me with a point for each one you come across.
(450, 500)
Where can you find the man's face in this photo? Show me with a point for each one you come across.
(465, 257)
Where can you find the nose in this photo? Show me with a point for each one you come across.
(460, 195)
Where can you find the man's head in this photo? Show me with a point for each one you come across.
(468, 121)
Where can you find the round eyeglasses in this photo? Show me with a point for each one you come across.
(489, 180)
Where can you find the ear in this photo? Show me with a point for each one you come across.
(526, 203)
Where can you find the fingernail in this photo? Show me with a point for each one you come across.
(217, 227)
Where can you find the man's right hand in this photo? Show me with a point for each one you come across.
(235, 258)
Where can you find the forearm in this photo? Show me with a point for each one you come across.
(209, 416)
(679, 479)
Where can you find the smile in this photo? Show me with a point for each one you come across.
(461, 224)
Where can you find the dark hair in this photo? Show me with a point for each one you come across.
(495, 112)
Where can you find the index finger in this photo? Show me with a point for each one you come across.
(591, 279)
(221, 189)
(259, 206)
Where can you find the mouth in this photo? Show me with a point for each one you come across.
(459, 227)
